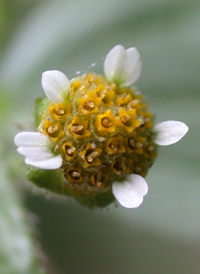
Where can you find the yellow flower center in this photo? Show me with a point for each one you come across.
(102, 133)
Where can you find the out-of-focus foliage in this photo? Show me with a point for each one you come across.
(11, 14)
(71, 35)
(17, 247)
(17, 252)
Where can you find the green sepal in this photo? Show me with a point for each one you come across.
(98, 201)
(52, 180)
(47, 179)
(41, 105)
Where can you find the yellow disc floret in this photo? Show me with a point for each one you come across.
(59, 111)
(105, 123)
(78, 128)
(69, 151)
(128, 121)
(89, 103)
(90, 155)
(53, 130)
(99, 179)
(115, 145)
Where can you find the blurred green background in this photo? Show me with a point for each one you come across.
(163, 235)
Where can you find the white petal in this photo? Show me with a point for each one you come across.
(130, 192)
(36, 153)
(31, 139)
(52, 163)
(56, 85)
(169, 132)
(123, 66)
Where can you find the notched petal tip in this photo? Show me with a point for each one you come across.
(169, 132)
(56, 85)
(123, 66)
(48, 164)
(130, 192)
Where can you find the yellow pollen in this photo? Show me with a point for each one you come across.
(114, 145)
(88, 105)
(90, 79)
(113, 86)
(138, 144)
(147, 120)
(76, 128)
(119, 166)
(52, 129)
(98, 183)
(103, 94)
(70, 151)
(106, 122)
(59, 111)
(151, 148)
(124, 119)
(133, 103)
(82, 88)
(132, 143)
(90, 158)
(75, 174)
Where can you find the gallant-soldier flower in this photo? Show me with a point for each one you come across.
(95, 138)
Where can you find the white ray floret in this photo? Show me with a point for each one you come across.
(130, 192)
(169, 132)
(123, 66)
(36, 148)
(56, 85)
(52, 163)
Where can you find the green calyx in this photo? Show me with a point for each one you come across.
(52, 180)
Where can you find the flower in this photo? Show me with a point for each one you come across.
(127, 120)
(99, 132)
(105, 123)
(55, 85)
(52, 130)
(59, 111)
(78, 128)
(123, 66)
(36, 147)
(90, 155)
(89, 103)
(115, 145)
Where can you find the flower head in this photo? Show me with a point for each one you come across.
(97, 133)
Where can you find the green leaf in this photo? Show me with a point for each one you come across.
(47, 179)
(40, 106)
(17, 251)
